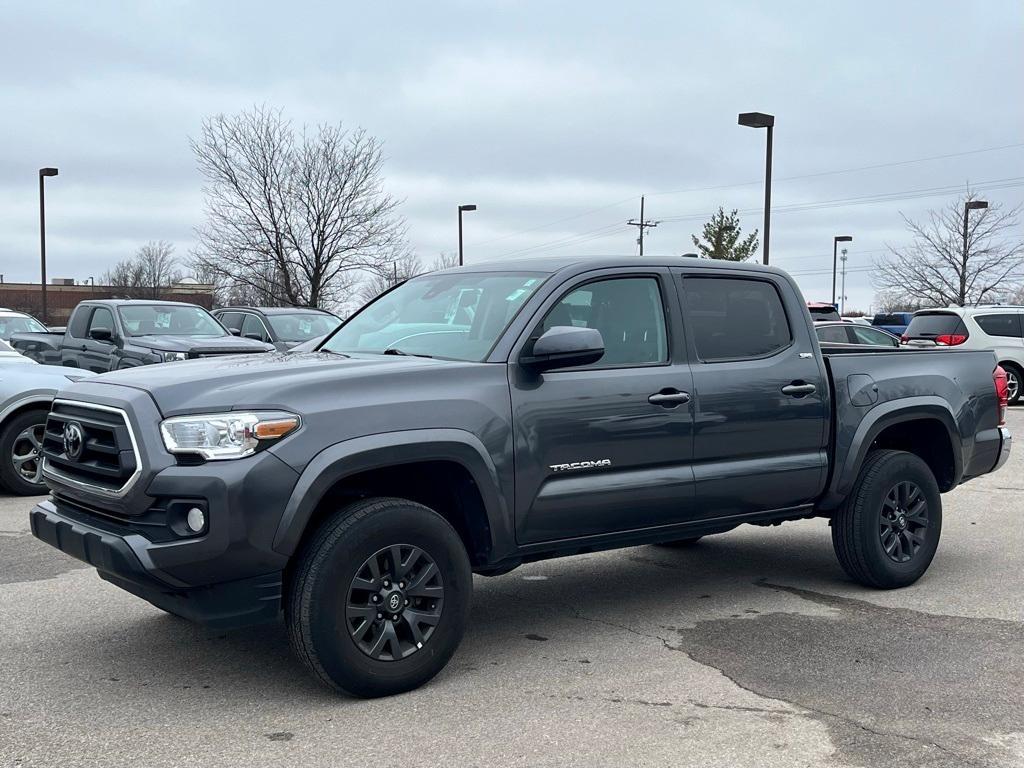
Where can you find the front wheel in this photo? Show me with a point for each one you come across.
(21, 460)
(380, 597)
(887, 531)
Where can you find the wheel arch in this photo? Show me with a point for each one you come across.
(463, 481)
(934, 438)
(18, 407)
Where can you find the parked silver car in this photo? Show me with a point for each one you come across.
(26, 391)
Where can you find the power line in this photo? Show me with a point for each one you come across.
(892, 164)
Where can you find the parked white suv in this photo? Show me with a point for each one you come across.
(999, 328)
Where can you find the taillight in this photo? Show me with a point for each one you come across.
(950, 339)
(904, 339)
(1002, 392)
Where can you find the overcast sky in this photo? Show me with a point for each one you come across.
(552, 117)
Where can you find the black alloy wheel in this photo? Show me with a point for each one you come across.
(903, 521)
(395, 602)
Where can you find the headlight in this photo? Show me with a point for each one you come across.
(225, 435)
(170, 357)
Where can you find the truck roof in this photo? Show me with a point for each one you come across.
(273, 310)
(137, 302)
(552, 264)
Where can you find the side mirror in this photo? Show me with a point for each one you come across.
(100, 334)
(235, 331)
(565, 346)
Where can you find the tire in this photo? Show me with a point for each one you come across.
(679, 543)
(887, 495)
(326, 582)
(21, 436)
(1014, 380)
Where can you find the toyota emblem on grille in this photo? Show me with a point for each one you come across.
(74, 440)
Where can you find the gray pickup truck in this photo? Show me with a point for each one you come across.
(110, 334)
(474, 419)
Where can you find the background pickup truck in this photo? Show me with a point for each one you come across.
(110, 334)
(474, 419)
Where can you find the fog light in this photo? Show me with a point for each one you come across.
(195, 519)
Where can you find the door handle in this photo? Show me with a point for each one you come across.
(799, 389)
(669, 398)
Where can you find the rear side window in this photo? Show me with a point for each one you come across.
(928, 325)
(79, 321)
(231, 320)
(1000, 325)
(735, 318)
(833, 334)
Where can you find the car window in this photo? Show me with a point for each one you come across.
(628, 313)
(928, 325)
(252, 325)
(231, 320)
(833, 334)
(732, 318)
(79, 321)
(101, 318)
(19, 324)
(1000, 325)
(303, 326)
(169, 319)
(453, 315)
(865, 335)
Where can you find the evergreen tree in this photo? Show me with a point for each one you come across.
(722, 238)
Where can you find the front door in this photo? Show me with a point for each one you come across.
(760, 395)
(605, 447)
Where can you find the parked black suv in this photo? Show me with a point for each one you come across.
(284, 327)
(474, 419)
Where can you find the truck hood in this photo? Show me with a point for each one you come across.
(274, 380)
(216, 344)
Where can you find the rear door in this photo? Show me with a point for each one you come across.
(760, 395)
(97, 355)
(605, 447)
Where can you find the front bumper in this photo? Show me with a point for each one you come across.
(229, 575)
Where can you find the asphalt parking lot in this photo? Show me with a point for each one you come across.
(751, 649)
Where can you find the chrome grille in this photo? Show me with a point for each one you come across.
(108, 461)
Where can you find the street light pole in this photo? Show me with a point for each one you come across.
(761, 120)
(969, 205)
(835, 244)
(842, 290)
(461, 209)
(43, 173)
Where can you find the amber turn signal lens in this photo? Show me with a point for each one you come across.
(271, 430)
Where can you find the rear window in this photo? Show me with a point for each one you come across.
(735, 318)
(932, 324)
(1000, 325)
(822, 313)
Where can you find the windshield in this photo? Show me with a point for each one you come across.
(168, 319)
(19, 324)
(457, 315)
(302, 326)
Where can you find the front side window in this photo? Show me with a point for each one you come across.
(628, 313)
(303, 326)
(457, 315)
(733, 318)
(101, 318)
(252, 328)
(169, 320)
(1000, 325)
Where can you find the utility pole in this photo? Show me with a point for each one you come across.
(642, 224)
(842, 294)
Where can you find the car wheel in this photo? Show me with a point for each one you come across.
(379, 598)
(1014, 378)
(679, 543)
(886, 533)
(21, 461)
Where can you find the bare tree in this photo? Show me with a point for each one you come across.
(940, 267)
(294, 217)
(148, 274)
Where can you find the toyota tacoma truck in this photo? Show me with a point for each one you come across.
(110, 334)
(475, 419)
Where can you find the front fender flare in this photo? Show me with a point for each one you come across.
(388, 449)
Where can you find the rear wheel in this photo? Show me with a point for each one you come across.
(1014, 379)
(21, 461)
(380, 597)
(886, 533)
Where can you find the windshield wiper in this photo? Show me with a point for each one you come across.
(397, 351)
